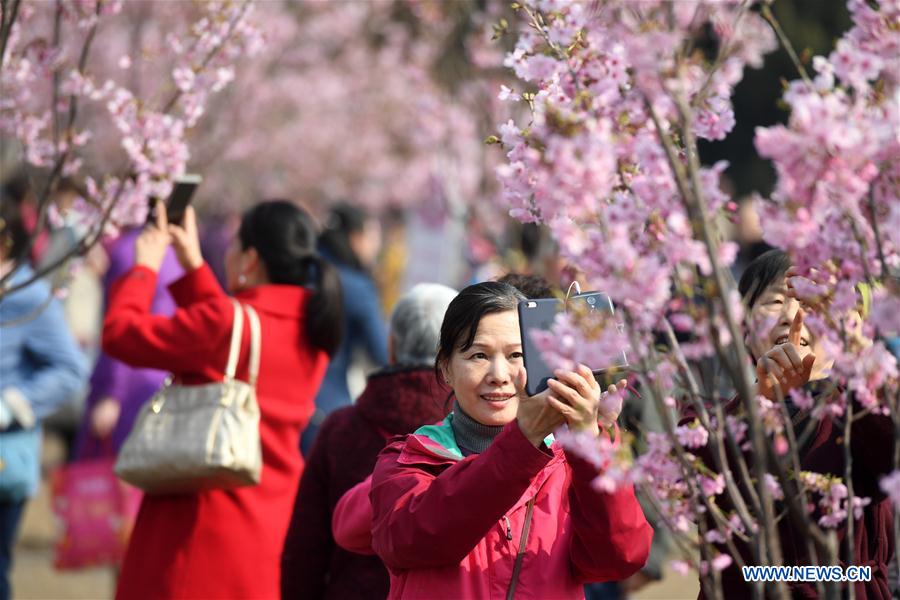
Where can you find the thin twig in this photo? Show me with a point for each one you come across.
(877, 231)
(700, 96)
(785, 42)
(849, 538)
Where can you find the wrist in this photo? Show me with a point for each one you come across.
(592, 429)
(148, 264)
(534, 438)
(192, 263)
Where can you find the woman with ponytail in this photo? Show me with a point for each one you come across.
(227, 543)
(350, 240)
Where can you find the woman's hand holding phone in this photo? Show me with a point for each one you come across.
(579, 399)
(536, 417)
(186, 241)
(150, 246)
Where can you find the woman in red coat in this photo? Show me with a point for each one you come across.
(227, 543)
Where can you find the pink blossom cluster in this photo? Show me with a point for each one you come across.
(570, 341)
(129, 136)
(589, 162)
(612, 460)
(836, 205)
(343, 105)
(659, 470)
(615, 94)
(833, 498)
(890, 485)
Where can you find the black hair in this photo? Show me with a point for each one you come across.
(284, 236)
(343, 220)
(13, 234)
(531, 286)
(764, 270)
(16, 187)
(465, 312)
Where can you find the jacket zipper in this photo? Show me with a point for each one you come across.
(520, 556)
(508, 528)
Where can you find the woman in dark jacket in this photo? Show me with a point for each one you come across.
(350, 241)
(790, 354)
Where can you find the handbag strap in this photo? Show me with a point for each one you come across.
(255, 344)
(234, 351)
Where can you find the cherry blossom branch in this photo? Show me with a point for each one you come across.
(848, 481)
(211, 54)
(686, 467)
(700, 96)
(785, 42)
(36, 312)
(43, 199)
(84, 244)
(876, 230)
(719, 455)
(743, 383)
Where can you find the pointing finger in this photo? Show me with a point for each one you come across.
(796, 328)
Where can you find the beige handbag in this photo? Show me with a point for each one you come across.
(189, 438)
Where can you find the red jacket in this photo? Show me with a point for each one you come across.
(451, 527)
(217, 544)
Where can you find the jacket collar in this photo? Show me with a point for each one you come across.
(398, 400)
(278, 299)
(436, 444)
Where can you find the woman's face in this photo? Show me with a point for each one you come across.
(366, 243)
(769, 321)
(488, 377)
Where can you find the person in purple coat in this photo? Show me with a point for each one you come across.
(118, 391)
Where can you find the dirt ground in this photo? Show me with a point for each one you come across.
(34, 578)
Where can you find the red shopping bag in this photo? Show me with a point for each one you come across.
(96, 511)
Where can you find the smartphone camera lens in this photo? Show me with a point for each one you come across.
(591, 300)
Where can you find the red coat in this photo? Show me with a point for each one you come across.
(218, 544)
(451, 527)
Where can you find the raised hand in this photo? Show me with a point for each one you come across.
(781, 369)
(186, 241)
(150, 246)
(578, 398)
(536, 417)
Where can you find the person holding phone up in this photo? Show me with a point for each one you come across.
(485, 504)
(227, 543)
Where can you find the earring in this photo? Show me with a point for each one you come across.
(242, 279)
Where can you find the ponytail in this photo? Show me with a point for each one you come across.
(325, 310)
(283, 235)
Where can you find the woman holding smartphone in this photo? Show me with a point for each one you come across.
(227, 543)
(486, 504)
